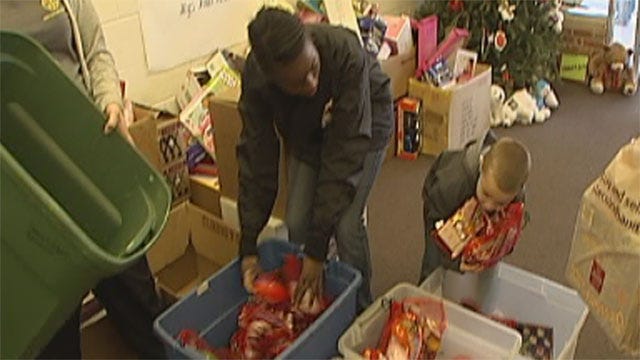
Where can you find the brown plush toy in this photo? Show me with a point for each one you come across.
(609, 69)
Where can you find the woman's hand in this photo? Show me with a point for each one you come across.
(311, 282)
(250, 271)
(115, 119)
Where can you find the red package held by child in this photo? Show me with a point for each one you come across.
(479, 239)
(465, 224)
(498, 239)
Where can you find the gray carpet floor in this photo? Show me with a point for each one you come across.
(569, 151)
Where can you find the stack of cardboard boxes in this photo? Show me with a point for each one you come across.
(195, 242)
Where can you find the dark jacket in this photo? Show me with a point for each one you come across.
(361, 121)
(451, 180)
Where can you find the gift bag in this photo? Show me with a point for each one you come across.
(414, 330)
(604, 263)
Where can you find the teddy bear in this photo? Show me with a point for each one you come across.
(545, 96)
(609, 68)
(497, 101)
(521, 107)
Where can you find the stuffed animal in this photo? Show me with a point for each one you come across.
(545, 96)
(497, 101)
(610, 69)
(521, 107)
(556, 16)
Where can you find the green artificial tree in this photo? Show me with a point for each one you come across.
(520, 39)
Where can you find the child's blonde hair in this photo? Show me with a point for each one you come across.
(508, 161)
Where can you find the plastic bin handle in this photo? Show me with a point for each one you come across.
(146, 231)
(371, 313)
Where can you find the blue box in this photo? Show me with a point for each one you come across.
(213, 308)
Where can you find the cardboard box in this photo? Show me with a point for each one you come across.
(193, 246)
(162, 141)
(213, 238)
(228, 124)
(177, 176)
(275, 227)
(400, 68)
(205, 193)
(452, 117)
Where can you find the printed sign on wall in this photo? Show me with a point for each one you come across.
(177, 31)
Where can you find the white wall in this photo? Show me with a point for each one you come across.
(121, 24)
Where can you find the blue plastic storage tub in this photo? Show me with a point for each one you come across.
(213, 308)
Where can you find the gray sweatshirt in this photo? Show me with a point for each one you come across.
(70, 30)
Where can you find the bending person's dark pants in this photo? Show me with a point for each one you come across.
(132, 304)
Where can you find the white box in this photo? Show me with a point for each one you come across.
(517, 294)
(467, 333)
(275, 227)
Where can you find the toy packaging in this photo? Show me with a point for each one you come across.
(427, 40)
(457, 231)
(537, 340)
(398, 34)
(481, 240)
(409, 128)
(440, 74)
(465, 65)
(373, 30)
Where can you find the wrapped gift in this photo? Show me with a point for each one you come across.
(496, 240)
(479, 239)
(465, 224)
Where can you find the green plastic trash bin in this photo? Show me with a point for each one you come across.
(76, 205)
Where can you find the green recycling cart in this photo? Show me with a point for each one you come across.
(76, 205)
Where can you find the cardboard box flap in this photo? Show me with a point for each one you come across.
(212, 237)
(173, 241)
(434, 99)
(144, 112)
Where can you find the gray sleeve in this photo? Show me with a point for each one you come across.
(105, 83)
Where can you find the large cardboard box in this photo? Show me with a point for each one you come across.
(228, 124)
(160, 138)
(193, 246)
(400, 68)
(453, 116)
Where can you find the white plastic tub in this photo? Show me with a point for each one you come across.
(515, 293)
(467, 333)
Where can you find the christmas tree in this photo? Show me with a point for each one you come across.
(520, 39)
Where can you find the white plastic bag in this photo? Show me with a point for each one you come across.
(604, 263)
